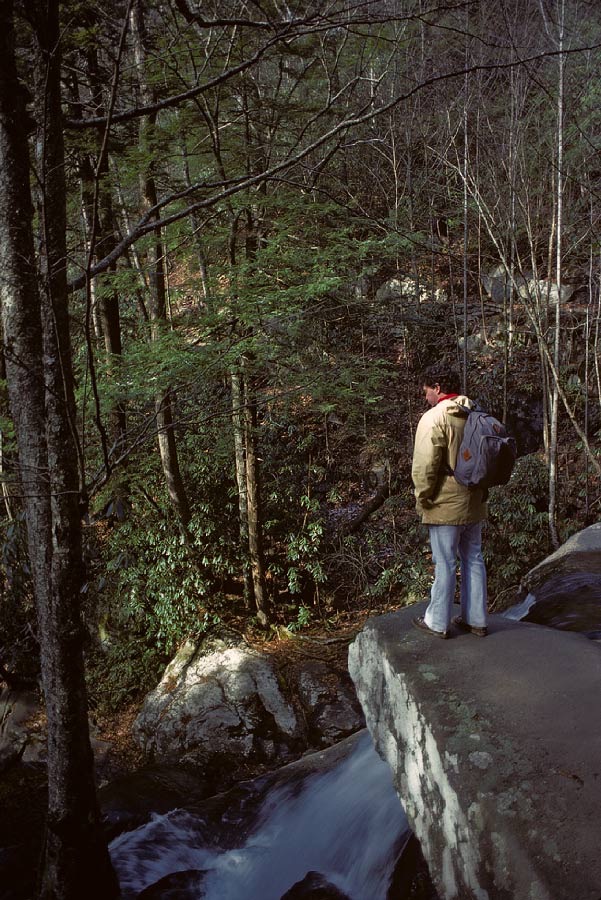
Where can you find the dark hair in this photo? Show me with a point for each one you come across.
(443, 375)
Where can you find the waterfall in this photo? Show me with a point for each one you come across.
(345, 822)
(569, 601)
(520, 610)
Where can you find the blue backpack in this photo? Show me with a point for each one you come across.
(487, 453)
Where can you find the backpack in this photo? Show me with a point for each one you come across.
(487, 452)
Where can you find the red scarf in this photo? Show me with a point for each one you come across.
(447, 397)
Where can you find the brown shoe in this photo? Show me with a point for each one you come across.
(481, 631)
(420, 623)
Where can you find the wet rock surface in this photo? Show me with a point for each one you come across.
(495, 748)
(314, 887)
(329, 702)
(570, 603)
(580, 554)
(185, 885)
(564, 590)
(129, 801)
(333, 812)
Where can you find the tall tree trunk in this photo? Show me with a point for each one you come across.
(158, 295)
(238, 423)
(36, 339)
(4, 411)
(553, 455)
(203, 269)
(253, 495)
(587, 371)
(247, 464)
(99, 220)
(596, 348)
(508, 301)
(465, 208)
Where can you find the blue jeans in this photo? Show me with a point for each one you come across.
(448, 542)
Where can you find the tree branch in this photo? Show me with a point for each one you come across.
(287, 35)
(148, 224)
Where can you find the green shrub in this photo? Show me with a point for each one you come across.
(19, 652)
(122, 673)
(164, 585)
(517, 536)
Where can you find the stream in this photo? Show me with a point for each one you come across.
(569, 602)
(335, 815)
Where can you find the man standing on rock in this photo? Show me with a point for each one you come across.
(453, 513)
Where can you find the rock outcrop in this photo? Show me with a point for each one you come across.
(330, 706)
(224, 705)
(18, 739)
(495, 749)
(564, 590)
(580, 555)
(498, 285)
(314, 887)
(214, 709)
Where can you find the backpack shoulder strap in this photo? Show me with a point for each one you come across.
(448, 469)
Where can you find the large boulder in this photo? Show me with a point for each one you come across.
(402, 288)
(497, 284)
(581, 554)
(564, 590)
(329, 702)
(314, 887)
(185, 885)
(19, 738)
(217, 710)
(494, 746)
(220, 704)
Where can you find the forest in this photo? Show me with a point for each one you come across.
(231, 236)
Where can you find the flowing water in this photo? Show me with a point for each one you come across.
(569, 602)
(335, 813)
(345, 822)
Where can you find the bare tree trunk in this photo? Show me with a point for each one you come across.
(203, 270)
(36, 338)
(508, 301)
(5, 490)
(544, 324)
(158, 296)
(4, 464)
(247, 464)
(550, 372)
(465, 208)
(553, 457)
(99, 219)
(253, 495)
(238, 422)
(587, 356)
(411, 197)
(596, 348)
(453, 302)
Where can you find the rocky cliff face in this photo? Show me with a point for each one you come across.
(495, 749)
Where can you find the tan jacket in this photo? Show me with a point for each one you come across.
(440, 500)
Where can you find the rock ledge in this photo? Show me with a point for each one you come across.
(495, 749)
